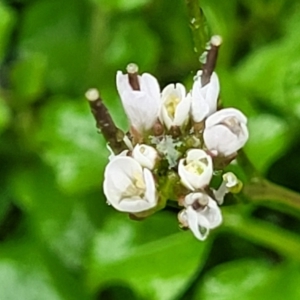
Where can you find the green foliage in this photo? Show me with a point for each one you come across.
(253, 279)
(58, 238)
(157, 264)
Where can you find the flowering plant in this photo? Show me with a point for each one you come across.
(177, 141)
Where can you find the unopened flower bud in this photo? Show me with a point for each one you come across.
(225, 131)
(145, 155)
(204, 98)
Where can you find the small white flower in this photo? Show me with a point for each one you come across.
(175, 105)
(196, 169)
(128, 187)
(204, 98)
(226, 131)
(141, 106)
(145, 155)
(200, 215)
(230, 183)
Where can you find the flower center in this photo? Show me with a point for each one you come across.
(171, 105)
(136, 189)
(195, 167)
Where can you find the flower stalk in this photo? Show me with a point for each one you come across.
(104, 122)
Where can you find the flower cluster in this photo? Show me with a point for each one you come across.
(176, 142)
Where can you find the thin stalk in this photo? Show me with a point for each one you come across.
(263, 233)
(198, 26)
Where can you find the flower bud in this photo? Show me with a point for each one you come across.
(128, 187)
(145, 155)
(204, 98)
(196, 169)
(175, 105)
(225, 131)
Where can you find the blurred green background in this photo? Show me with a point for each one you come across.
(58, 238)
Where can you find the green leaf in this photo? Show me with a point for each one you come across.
(250, 279)
(28, 78)
(29, 274)
(233, 280)
(61, 222)
(68, 141)
(153, 260)
(132, 41)
(269, 138)
(122, 5)
(5, 115)
(271, 73)
(61, 40)
(7, 21)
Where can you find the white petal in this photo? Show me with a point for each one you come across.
(195, 221)
(140, 109)
(204, 99)
(120, 175)
(212, 213)
(182, 108)
(185, 176)
(199, 108)
(226, 131)
(122, 83)
(212, 93)
(141, 106)
(165, 118)
(221, 139)
(150, 86)
(194, 180)
(145, 155)
(222, 114)
(182, 111)
(133, 206)
(201, 198)
(122, 168)
(150, 194)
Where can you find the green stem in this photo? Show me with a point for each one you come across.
(263, 191)
(198, 25)
(263, 233)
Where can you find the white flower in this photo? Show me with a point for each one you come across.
(175, 105)
(128, 187)
(145, 155)
(196, 169)
(225, 131)
(141, 106)
(204, 98)
(230, 183)
(200, 215)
